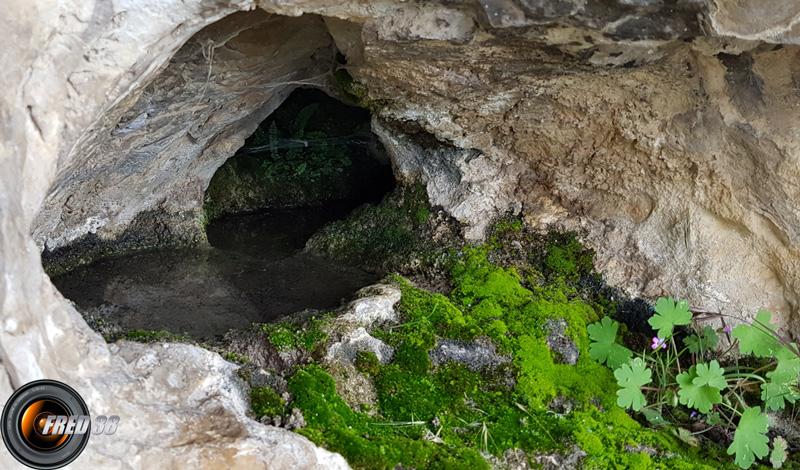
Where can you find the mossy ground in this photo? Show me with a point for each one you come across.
(392, 235)
(446, 416)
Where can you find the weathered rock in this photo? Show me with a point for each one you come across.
(478, 355)
(561, 345)
(512, 459)
(677, 159)
(348, 333)
(373, 305)
(474, 188)
(355, 388)
(186, 122)
(254, 344)
(568, 460)
(345, 349)
(561, 405)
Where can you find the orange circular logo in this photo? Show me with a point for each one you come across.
(45, 424)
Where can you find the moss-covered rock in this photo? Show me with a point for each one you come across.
(447, 415)
(393, 235)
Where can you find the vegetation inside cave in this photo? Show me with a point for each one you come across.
(309, 206)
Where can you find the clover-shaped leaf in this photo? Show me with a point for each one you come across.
(700, 396)
(782, 385)
(710, 374)
(750, 439)
(604, 347)
(707, 340)
(759, 338)
(778, 454)
(631, 377)
(669, 314)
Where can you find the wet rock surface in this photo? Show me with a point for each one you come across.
(607, 130)
(254, 272)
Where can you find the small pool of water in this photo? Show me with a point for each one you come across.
(254, 271)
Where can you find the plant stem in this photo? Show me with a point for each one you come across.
(675, 348)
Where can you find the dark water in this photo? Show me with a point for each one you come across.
(254, 271)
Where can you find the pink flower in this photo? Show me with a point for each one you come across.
(658, 343)
(727, 329)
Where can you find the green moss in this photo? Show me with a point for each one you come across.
(287, 336)
(366, 443)
(567, 258)
(264, 401)
(367, 362)
(152, 336)
(234, 357)
(507, 226)
(379, 235)
(487, 411)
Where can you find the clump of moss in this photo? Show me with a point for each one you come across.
(387, 235)
(285, 336)
(367, 362)
(264, 401)
(364, 441)
(468, 411)
(154, 336)
(235, 357)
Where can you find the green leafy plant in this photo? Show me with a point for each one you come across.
(300, 153)
(778, 455)
(631, 377)
(750, 441)
(695, 384)
(604, 347)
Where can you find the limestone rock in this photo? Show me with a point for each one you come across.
(471, 186)
(351, 343)
(664, 133)
(374, 305)
(476, 355)
(561, 345)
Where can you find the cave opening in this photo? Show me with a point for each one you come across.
(310, 162)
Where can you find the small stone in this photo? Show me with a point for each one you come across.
(477, 355)
(568, 460)
(562, 405)
(345, 350)
(295, 420)
(641, 448)
(561, 345)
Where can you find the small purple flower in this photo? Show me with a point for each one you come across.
(727, 329)
(658, 343)
(693, 414)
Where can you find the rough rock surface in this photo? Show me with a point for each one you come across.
(472, 187)
(477, 355)
(349, 331)
(663, 130)
(561, 345)
(345, 349)
(211, 95)
(675, 159)
(374, 305)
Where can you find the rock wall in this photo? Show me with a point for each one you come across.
(668, 146)
(161, 145)
(662, 130)
(74, 67)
